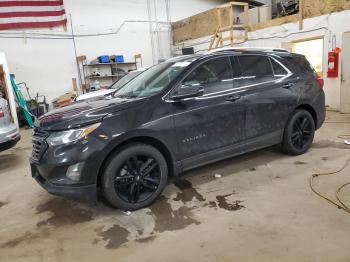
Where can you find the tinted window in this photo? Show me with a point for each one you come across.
(278, 70)
(255, 69)
(125, 79)
(304, 65)
(214, 76)
(152, 81)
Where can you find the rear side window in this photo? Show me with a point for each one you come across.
(214, 76)
(303, 65)
(278, 70)
(255, 68)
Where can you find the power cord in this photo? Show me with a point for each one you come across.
(340, 204)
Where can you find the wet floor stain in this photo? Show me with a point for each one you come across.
(223, 203)
(145, 239)
(167, 219)
(329, 143)
(3, 203)
(64, 212)
(26, 238)
(325, 158)
(140, 232)
(300, 163)
(212, 204)
(95, 241)
(252, 169)
(188, 193)
(114, 236)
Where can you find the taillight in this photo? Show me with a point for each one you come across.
(320, 81)
(2, 114)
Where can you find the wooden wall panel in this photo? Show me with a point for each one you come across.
(321, 7)
(200, 25)
(206, 23)
(181, 30)
(274, 22)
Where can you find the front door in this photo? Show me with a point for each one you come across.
(345, 75)
(214, 121)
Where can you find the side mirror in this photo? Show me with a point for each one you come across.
(185, 92)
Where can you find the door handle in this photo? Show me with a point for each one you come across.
(287, 85)
(233, 98)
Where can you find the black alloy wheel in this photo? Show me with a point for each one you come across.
(138, 178)
(299, 133)
(134, 176)
(302, 132)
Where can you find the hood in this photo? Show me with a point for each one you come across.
(83, 113)
(94, 94)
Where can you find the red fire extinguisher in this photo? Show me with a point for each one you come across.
(333, 63)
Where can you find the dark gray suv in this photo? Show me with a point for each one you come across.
(180, 114)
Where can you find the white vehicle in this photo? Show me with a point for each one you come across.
(9, 134)
(9, 131)
(105, 92)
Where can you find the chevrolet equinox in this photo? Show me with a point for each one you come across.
(180, 114)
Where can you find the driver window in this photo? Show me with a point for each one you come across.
(214, 76)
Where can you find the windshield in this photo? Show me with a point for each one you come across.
(125, 79)
(152, 81)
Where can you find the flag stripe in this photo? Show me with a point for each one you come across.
(30, 8)
(32, 14)
(10, 20)
(31, 3)
(32, 24)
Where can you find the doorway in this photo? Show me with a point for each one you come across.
(345, 75)
(313, 51)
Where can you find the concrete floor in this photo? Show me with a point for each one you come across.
(261, 209)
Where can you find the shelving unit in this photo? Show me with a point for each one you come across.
(107, 73)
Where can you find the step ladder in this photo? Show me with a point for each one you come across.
(235, 32)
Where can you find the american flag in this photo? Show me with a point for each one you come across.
(17, 14)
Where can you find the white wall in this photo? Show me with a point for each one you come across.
(48, 66)
(327, 26)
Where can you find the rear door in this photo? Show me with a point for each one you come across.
(269, 99)
(214, 121)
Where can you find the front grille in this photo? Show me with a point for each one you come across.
(39, 144)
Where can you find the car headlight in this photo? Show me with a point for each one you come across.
(68, 136)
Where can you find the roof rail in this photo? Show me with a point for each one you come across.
(263, 49)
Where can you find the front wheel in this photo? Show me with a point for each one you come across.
(299, 133)
(134, 177)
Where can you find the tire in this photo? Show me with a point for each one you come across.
(134, 177)
(298, 133)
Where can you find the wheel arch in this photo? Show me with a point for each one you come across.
(310, 109)
(144, 139)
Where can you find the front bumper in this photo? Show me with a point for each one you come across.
(81, 192)
(50, 165)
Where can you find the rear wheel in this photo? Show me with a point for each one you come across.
(299, 133)
(134, 177)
